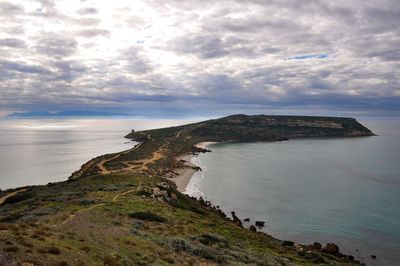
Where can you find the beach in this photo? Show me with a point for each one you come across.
(185, 174)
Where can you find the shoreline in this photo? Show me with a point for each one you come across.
(185, 174)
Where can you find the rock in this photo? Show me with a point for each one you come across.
(316, 246)
(236, 220)
(288, 243)
(260, 224)
(331, 248)
(247, 220)
(174, 197)
(373, 257)
(253, 228)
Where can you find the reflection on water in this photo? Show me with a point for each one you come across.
(48, 150)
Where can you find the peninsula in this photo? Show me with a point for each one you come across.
(125, 209)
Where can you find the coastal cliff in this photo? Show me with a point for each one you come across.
(123, 208)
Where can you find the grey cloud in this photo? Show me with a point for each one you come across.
(68, 70)
(7, 8)
(88, 11)
(90, 33)
(55, 45)
(23, 68)
(208, 46)
(134, 62)
(12, 43)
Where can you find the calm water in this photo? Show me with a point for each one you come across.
(341, 190)
(40, 151)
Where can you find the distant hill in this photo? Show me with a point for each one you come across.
(263, 128)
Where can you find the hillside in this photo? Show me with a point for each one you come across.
(122, 209)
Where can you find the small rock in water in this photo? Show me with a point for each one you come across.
(260, 223)
(247, 220)
(373, 257)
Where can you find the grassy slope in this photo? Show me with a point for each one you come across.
(136, 217)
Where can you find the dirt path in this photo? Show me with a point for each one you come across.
(114, 199)
(101, 166)
(137, 164)
(2, 199)
(72, 216)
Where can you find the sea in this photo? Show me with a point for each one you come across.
(341, 190)
(39, 151)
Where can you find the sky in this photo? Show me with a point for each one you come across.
(182, 58)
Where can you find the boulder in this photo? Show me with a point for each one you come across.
(331, 248)
(316, 246)
(247, 220)
(260, 224)
(253, 228)
(236, 220)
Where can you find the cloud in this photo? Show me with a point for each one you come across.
(55, 45)
(200, 56)
(88, 11)
(12, 43)
(90, 33)
(309, 56)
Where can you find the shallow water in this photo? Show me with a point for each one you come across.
(38, 151)
(345, 191)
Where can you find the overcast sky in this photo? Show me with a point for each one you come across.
(201, 57)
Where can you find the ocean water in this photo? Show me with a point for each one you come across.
(345, 191)
(39, 151)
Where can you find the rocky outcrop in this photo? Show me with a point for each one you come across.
(331, 248)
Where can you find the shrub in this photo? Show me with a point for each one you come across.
(287, 243)
(210, 239)
(314, 257)
(110, 261)
(10, 249)
(148, 216)
(17, 198)
(53, 250)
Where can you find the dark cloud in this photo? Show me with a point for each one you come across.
(8, 66)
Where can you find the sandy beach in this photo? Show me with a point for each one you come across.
(185, 174)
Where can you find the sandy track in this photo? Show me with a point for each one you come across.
(114, 199)
(9, 195)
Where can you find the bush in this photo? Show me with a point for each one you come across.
(210, 239)
(10, 249)
(53, 250)
(110, 261)
(287, 243)
(17, 198)
(314, 257)
(147, 216)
